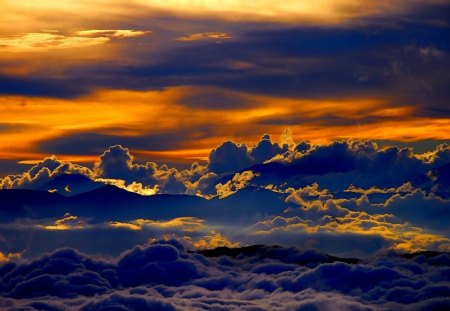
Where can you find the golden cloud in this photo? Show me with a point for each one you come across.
(66, 223)
(186, 224)
(110, 112)
(404, 237)
(44, 41)
(216, 36)
(9, 256)
(42, 14)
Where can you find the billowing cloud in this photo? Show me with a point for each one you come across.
(231, 157)
(347, 197)
(117, 162)
(250, 278)
(41, 173)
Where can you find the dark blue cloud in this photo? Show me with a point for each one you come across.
(158, 264)
(117, 162)
(128, 302)
(364, 164)
(229, 157)
(42, 86)
(252, 278)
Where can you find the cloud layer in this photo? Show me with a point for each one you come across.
(164, 276)
(347, 198)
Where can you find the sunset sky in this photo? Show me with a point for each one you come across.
(171, 80)
(225, 155)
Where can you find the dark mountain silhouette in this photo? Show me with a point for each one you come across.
(71, 184)
(112, 203)
(282, 253)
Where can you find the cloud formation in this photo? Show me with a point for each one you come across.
(252, 278)
(44, 41)
(351, 198)
(215, 36)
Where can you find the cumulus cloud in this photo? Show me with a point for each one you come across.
(340, 166)
(232, 157)
(42, 173)
(117, 166)
(229, 157)
(364, 164)
(346, 197)
(265, 149)
(117, 163)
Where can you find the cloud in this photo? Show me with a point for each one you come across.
(364, 164)
(238, 182)
(229, 157)
(8, 257)
(117, 163)
(186, 224)
(166, 276)
(41, 173)
(133, 187)
(346, 197)
(232, 157)
(291, 12)
(406, 187)
(45, 41)
(129, 302)
(212, 241)
(66, 223)
(115, 33)
(265, 149)
(215, 36)
(417, 207)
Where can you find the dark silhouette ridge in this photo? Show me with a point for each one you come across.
(76, 184)
(112, 203)
(284, 254)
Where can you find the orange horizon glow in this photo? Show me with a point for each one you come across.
(28, 14)
(109, 112)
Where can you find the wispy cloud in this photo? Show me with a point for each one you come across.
(44, 41)
(215, 36)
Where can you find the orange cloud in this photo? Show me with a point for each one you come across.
(9, 256)
(216, 36)
(68, 222)
(288, 11)
(214, 240)
(186, 224)
(133, 114)
(44, 41)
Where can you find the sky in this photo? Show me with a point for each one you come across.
(224, 155)
(173, 80)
